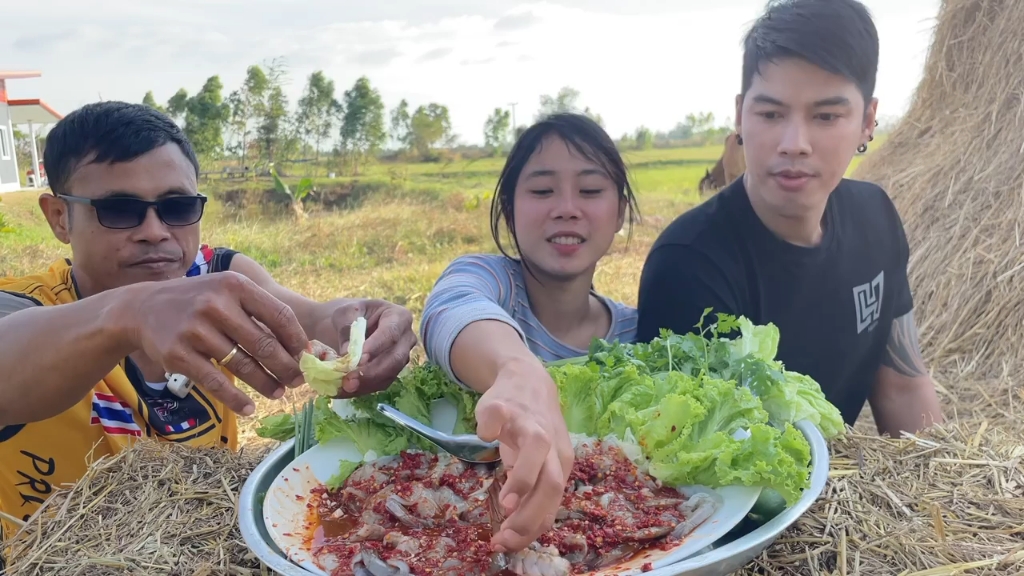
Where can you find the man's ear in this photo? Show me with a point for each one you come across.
(58, 216)
(870, 119)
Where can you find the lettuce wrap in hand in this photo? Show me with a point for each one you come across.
(324, 369)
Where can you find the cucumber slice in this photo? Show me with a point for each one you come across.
(769, 505)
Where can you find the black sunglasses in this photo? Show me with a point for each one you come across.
(121, 213)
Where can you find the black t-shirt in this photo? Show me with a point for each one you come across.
(833, 304)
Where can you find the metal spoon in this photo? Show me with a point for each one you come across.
(466, 447)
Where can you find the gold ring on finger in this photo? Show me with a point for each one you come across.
(229, 356)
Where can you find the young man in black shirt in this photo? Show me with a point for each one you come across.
(794, 243)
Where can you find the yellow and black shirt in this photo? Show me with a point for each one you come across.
(39, 457)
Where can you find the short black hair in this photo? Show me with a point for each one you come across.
(582, 134)
(837, 36)
(108, 132)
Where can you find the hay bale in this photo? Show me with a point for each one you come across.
(949, 501)
(155, 509)
(955, 169)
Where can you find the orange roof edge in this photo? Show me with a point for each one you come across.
(14, 74)
(35, 102)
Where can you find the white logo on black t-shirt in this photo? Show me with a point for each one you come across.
(868, 300)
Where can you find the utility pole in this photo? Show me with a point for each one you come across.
(513, 105)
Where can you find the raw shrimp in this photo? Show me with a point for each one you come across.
(421, 513)
(408, 549)
(539, 561)
(697, 509)
(368, 563)
(321, 351)
(371, 522)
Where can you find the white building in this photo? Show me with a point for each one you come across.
(31, 113)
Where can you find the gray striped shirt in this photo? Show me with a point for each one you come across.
(11, 303)
(492, 287)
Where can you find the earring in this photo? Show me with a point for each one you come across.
(862, 148)
(871, 138)
(739, 140)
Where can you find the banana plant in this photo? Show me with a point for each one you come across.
(302, 189)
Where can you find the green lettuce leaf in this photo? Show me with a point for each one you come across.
(760, 341)
(415, 391)
(345, 469)
(789, 397)
(621, 415)
(367, 434)
(673, 417)
(576, 389)
(768, 458)
(280, 427)
(812, 405)
(465, 405)
(729, 408)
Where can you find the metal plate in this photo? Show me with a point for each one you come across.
(722, 559)
(250, 512)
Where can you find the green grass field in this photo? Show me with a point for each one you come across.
(395, 242)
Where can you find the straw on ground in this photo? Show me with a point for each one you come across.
(158, 508)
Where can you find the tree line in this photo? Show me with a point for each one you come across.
(256, 126)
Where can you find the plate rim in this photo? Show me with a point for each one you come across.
(267, 551)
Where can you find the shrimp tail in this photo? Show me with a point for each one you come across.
(367, 563)
(697, 509)
(321, 351)
(499, 560)
(539, 561)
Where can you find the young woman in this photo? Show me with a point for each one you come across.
(490, 319)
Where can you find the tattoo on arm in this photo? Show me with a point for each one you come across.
(903, 352)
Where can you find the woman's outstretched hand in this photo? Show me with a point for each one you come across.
(521, 410)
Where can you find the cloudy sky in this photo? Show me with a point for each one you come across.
(649, 64)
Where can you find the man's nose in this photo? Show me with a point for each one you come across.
(152, 228)
(794, 140)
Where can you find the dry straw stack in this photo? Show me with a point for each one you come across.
(156, 509)
(955, 169)
(948, 501)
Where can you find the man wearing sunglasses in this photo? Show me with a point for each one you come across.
(88, 347)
